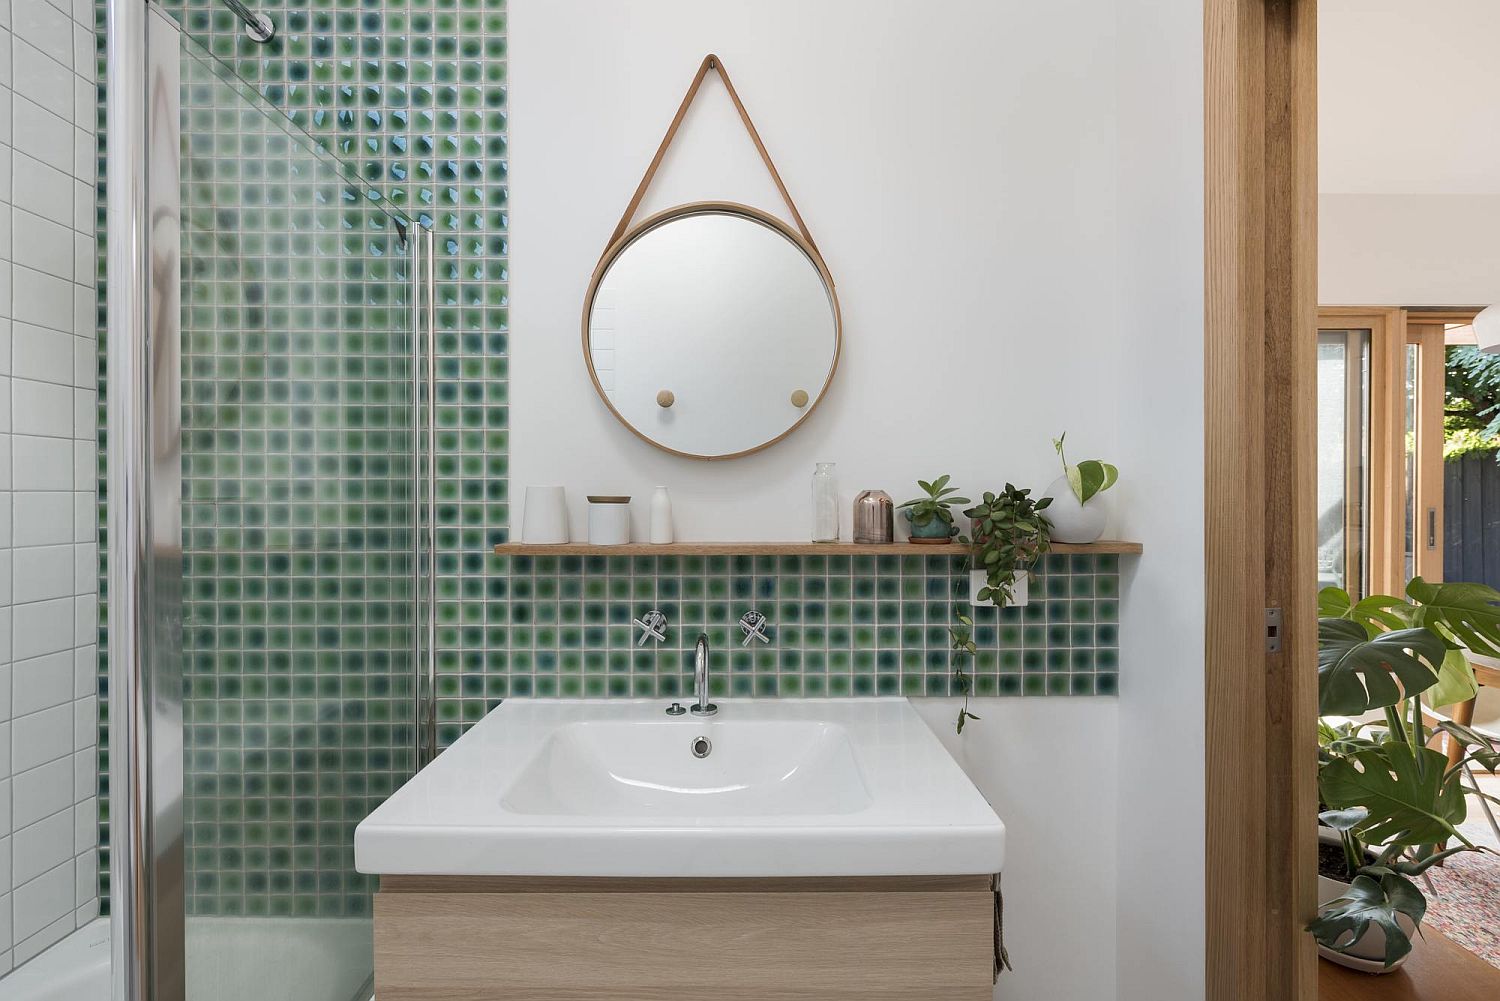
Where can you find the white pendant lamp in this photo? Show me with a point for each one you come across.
(1487, 330)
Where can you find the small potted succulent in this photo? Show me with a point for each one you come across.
(931, 517)
(1010, 535)
(1078, 512)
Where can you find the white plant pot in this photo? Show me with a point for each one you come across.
(1072, 521)
(1368, 954)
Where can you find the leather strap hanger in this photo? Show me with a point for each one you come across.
(710, 62)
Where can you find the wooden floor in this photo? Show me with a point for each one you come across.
(1438, 970)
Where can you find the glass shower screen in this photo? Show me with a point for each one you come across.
(296, 628)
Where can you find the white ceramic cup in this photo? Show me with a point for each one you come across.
(544, 520)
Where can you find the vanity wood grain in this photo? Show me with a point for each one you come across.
(523, 939)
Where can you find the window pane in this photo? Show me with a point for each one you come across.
(1343, 458)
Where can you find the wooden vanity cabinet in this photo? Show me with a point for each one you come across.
(479, 938)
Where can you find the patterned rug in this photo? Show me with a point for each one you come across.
(1468, 906)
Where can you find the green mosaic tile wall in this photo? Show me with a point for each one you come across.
(411, 96)
(840, 626)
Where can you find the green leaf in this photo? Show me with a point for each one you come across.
(1344, 820)
(1478, 745)
(1465, 614)
(1377, 612)
(1410, 799)
(1370, 901)
(1455, 682)
(1354, 669)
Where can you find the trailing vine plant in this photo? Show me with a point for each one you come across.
(1010, 535)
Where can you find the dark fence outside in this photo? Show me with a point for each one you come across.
(1471, 519)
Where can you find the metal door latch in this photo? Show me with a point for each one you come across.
(1273, 630)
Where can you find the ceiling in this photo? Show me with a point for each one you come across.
(1409, 96)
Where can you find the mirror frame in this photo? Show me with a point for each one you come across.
(712, 208)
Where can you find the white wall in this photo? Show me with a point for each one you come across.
(1037, 218)
(1408, 249)
(48, 562)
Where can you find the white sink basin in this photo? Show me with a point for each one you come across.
(613, 768)
(612, 787)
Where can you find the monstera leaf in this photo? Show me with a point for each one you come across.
(1455, 682)
(1410, 799)
(1466, 614)
(1377, 612)
(1354, 669)
(1373, 899)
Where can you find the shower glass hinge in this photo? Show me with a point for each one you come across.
(1273, 630)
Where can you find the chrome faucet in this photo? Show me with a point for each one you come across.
(700, 678)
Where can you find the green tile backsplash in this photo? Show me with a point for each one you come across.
(411, 96)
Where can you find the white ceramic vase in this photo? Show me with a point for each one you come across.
(1072, 521)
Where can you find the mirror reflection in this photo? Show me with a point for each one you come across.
(712, 331)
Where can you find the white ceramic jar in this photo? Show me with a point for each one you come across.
(609, 521)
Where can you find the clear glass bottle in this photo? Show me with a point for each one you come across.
(825, 503)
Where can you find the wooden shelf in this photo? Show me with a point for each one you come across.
(1101, 548)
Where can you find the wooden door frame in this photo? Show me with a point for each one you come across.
(1260, 305)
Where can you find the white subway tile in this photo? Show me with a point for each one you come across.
(5, 346)
(5, 782)
(42, 518)
(85, 158)
(86, 618)
(7, 303)
(40, 463)
(49, 894)
(7, 449)
(42, 793)
(85, 671)
(83, 47)
(85, 259)
(42, 353)
(5, 404)
(41, 737)
(7, 516)
(85, 723)
(6, 46)
(41, 189)
(42, 408)
(85, 886)
(41, 683)
(46, 627)
(85, 463)
(42, 244)
(83, 12)
(7, 939)
(85, 568)
(85, 796)
(6, 559)
(44, 80)
(41, 846)
(85, 516)
(5, 620)
(37, 132)
(5, 710)
(85, 218)
(85, 359)
(85, 413)
(5, 878)
(84, 318)
(43, 299)
(45, 27)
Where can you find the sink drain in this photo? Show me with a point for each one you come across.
(702, 746)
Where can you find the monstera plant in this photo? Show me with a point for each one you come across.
(1395, 803)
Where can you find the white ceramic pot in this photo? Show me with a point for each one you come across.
(545, 517)
(1072, 521)
(1368, 954)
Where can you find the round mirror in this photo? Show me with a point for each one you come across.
(711, 330)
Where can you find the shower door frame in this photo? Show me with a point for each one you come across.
(144, 520)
